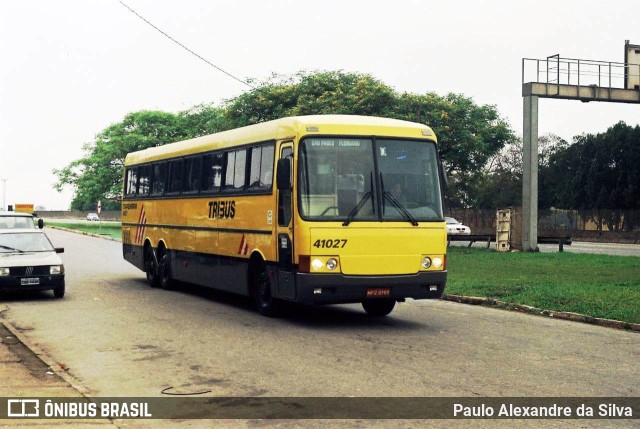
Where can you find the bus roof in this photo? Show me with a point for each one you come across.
(285, 128)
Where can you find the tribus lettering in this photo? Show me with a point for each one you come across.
(222, 209)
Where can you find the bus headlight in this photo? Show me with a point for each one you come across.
(317, 264)
(4, 271)
(332, 264)
(437, 262)
(323, 264)
(426, 262)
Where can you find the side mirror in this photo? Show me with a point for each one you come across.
(40, 223)
(59, 249)
(444, 179)
(283, 176)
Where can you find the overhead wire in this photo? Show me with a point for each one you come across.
(185, 47)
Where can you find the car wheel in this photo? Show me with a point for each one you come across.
(151, 267)
(378, 307)
(58, 292)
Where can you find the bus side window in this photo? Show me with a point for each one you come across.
(212, 166)
(132, 182)
(175, 176)
(236, 168)
(144, 180)
(285, 208)
(261, 172)
(158, 178)
(192, 168)
(266, 166)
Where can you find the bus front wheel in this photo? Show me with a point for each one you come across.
(266, 303)
(378, 307)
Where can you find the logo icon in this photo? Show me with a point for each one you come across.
(23, 407)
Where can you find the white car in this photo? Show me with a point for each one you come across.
(29, 262)
(456, 228)
(17, 220)
(93, 217)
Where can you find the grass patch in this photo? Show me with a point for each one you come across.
(596, 285)
(111, 229)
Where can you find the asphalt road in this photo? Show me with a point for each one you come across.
(119, 337)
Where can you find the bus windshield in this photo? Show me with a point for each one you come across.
(364, 179)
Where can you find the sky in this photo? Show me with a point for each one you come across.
(70, 68)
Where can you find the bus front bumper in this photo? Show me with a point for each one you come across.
(341, 289)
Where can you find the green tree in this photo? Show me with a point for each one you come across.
(312, 94)
(201, 120)
(600, 175)
(468, 133)
(98, 175)
(500, 184)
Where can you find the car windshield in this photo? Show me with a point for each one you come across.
(16, 222)
(451, 221)
(365, 179)
(24, 242)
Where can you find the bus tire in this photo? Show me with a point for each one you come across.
(266, 303)
(165, 280)
(378, 307)
(151, 267)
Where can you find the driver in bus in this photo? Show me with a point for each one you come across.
(399, 194)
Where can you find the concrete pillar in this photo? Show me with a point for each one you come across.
(530, 175)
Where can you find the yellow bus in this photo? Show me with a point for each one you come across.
(319, 209)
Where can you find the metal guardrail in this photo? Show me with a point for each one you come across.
(572, 71)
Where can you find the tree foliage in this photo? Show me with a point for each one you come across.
(469, 134)
(312, 94)
(500, 185)
(599, 174)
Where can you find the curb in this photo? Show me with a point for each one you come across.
(564, 315)
(54, 366)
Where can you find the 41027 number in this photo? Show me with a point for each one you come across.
(330, 244)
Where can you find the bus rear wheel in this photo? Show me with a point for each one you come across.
(151, 267)
(266, 303)
(378, 307)
(164, 270)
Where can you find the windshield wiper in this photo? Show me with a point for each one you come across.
(11, 248)
(357, 208)
(400, 207)
(397, 203)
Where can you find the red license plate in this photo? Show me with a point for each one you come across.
(378, 292)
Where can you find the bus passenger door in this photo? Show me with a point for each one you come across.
(286, 284)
